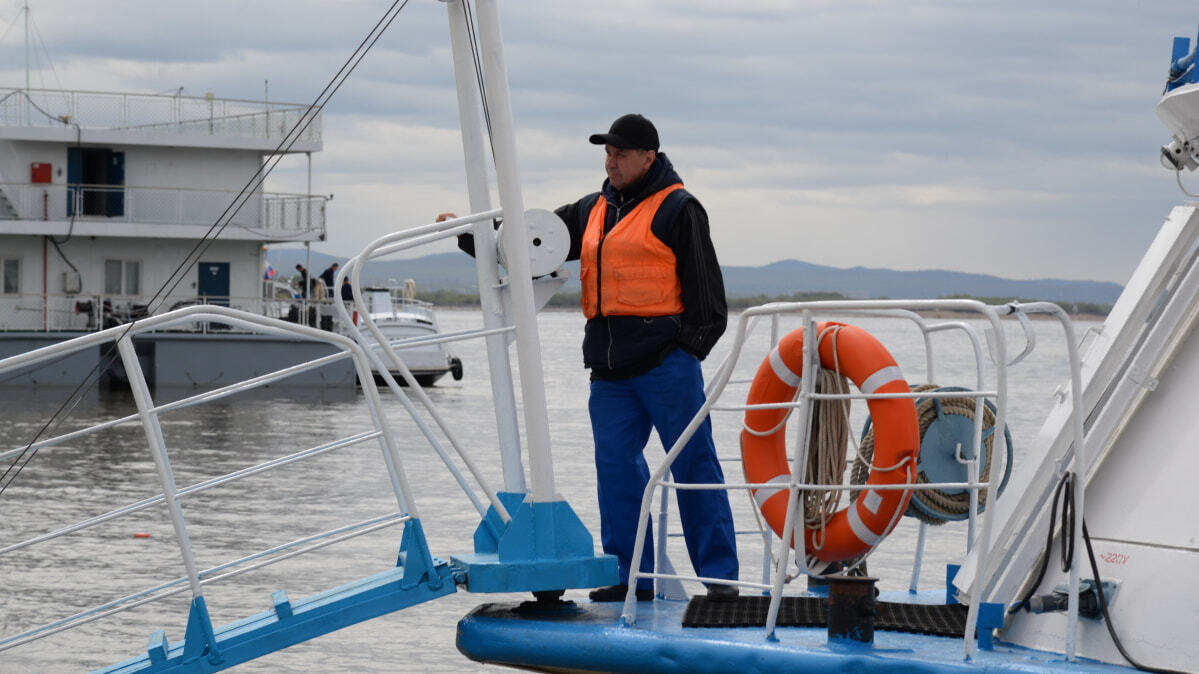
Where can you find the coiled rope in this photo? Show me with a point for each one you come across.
(827, 451)
(827, 445)
(936, 506)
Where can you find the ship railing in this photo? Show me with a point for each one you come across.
(59, 313)
(387, 358)
(206, 115)
(81, 312)
(148, 414)
(779, 556)
(410, 305)
(265, 213)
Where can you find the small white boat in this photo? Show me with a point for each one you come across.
(410, 326)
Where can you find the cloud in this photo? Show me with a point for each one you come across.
(1014, 138)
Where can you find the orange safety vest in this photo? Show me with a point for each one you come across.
(638, 274)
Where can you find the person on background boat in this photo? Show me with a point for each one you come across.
(653, 296)
(303, 280)
(328, 275)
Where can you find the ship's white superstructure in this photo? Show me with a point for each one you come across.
(103, 196)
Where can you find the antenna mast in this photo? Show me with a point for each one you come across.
(27, 96)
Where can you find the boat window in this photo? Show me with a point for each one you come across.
(10, 276)
(122, 277)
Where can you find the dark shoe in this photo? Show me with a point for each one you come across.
(723, 593)
(618, 592)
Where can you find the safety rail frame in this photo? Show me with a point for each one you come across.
(806, 393)
(372, 355)
(272, 214)
(130, 111)
(148, 414)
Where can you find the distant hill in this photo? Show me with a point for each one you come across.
(789, 276)
(455, 271)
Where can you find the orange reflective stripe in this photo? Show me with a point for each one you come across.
(629, 270)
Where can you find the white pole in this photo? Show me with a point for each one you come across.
(27, 94)
(474, 148)
(516, 253)
(153, 431)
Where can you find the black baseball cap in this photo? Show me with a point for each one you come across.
(629, 132)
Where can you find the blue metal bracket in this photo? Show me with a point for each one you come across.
(491, 528)
(990, 614)
(990, 617)
(415, 559)
(544, 547)
(951, 571)
(198, 639)
(417, 578)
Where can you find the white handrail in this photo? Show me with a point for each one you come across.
(900, 308)
(388, 244)
(148, 413)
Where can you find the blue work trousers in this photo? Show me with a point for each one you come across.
(622, 414)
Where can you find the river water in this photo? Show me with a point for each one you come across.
(65, 484)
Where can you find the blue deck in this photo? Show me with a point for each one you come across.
(589, 637)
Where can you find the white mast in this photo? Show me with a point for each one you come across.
(470, 114)
(516, 250)
(27, 95)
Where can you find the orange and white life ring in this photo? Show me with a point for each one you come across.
(857, 528)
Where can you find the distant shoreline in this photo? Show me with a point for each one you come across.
(1074, 316)
(938, 314)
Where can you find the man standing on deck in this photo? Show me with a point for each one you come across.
(654, 300)
(328, 275)
(303, 280)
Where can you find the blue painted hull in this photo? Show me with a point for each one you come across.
(590, 638)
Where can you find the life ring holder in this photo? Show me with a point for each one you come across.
(872, 514)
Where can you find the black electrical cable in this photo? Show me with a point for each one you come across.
(1067, 524)
(74, 209)
(1107, 619)
(1066, 487)
(74, 212)
(23, 458)
(1023, 603)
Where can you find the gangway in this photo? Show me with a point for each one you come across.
(500, 562)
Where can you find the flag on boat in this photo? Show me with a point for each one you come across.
(269, 273)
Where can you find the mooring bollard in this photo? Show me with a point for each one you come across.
(851, 609)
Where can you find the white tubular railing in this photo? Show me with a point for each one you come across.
(148, 414)
(352, 269)
(269, 212)
(205, 115)
(807, 393)
(89, 313)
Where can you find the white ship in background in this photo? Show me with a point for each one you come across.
(106, 198)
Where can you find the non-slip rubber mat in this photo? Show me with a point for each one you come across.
(936, 619)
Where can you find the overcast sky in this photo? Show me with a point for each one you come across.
(1009, 137)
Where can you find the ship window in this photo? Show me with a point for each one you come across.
(10, 276)
(122, 277)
